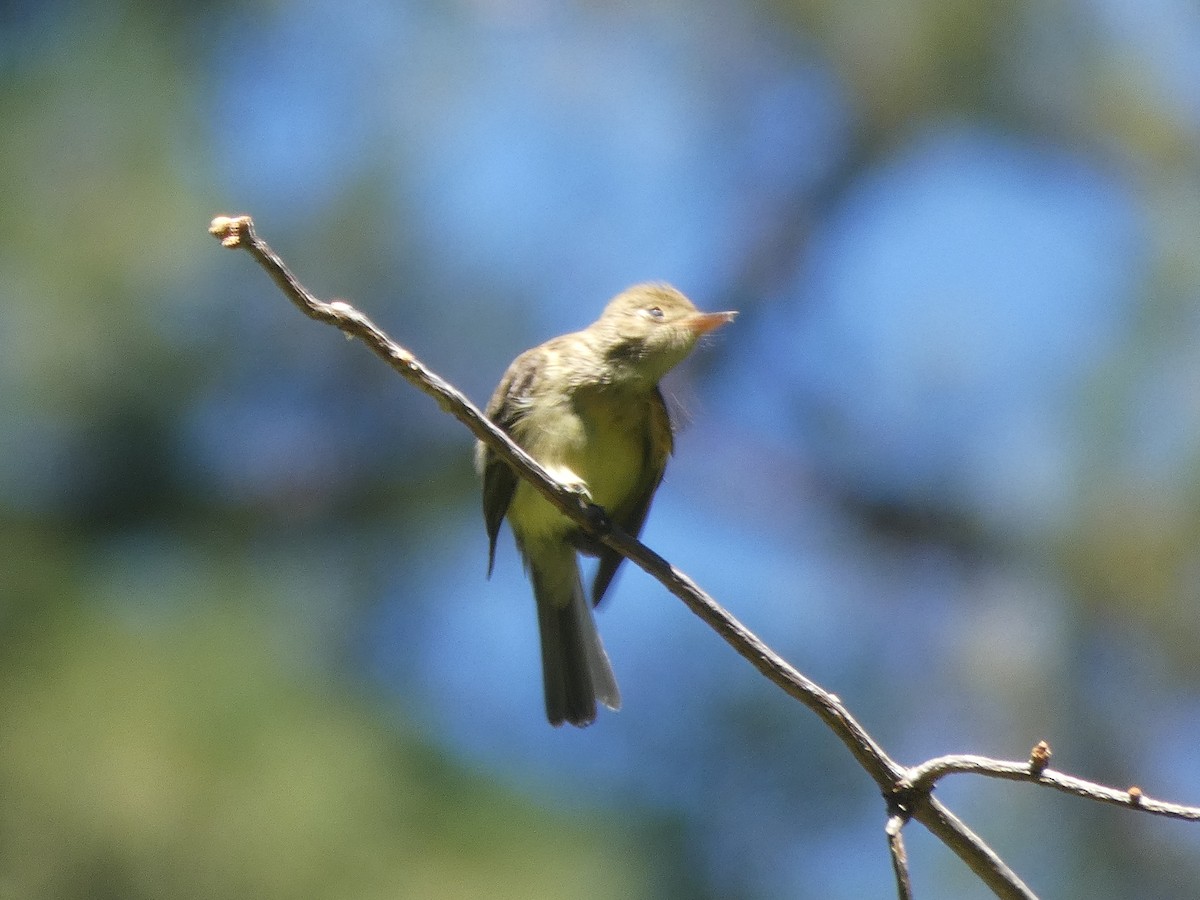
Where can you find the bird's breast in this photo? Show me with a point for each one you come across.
(613, 453)
(599, 440)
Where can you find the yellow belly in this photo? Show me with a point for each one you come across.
(600, 444)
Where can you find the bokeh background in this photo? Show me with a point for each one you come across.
(947, 460)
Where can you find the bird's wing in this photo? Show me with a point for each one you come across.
(505, 409)
(630, 516)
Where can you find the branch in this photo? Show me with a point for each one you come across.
(895, 836)
(908, 791)
(923, 777)
(238, 233)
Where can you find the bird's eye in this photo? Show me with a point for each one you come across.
(654, 312)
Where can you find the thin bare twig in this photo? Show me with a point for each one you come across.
(923, 777)
(907, 790)
(970, 848)
(895, 835)
(238, 233)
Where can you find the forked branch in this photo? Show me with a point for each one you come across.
(907, 791)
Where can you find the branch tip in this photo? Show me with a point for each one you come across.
(231, 230)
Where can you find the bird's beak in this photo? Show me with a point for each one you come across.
(703, 323)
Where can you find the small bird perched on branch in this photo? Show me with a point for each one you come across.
(588, 408)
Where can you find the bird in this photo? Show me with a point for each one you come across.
(588, 407)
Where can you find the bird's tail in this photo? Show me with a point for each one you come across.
(575, 669)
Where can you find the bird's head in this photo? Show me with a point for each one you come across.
(648, 329)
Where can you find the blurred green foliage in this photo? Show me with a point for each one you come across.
(178, 754)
